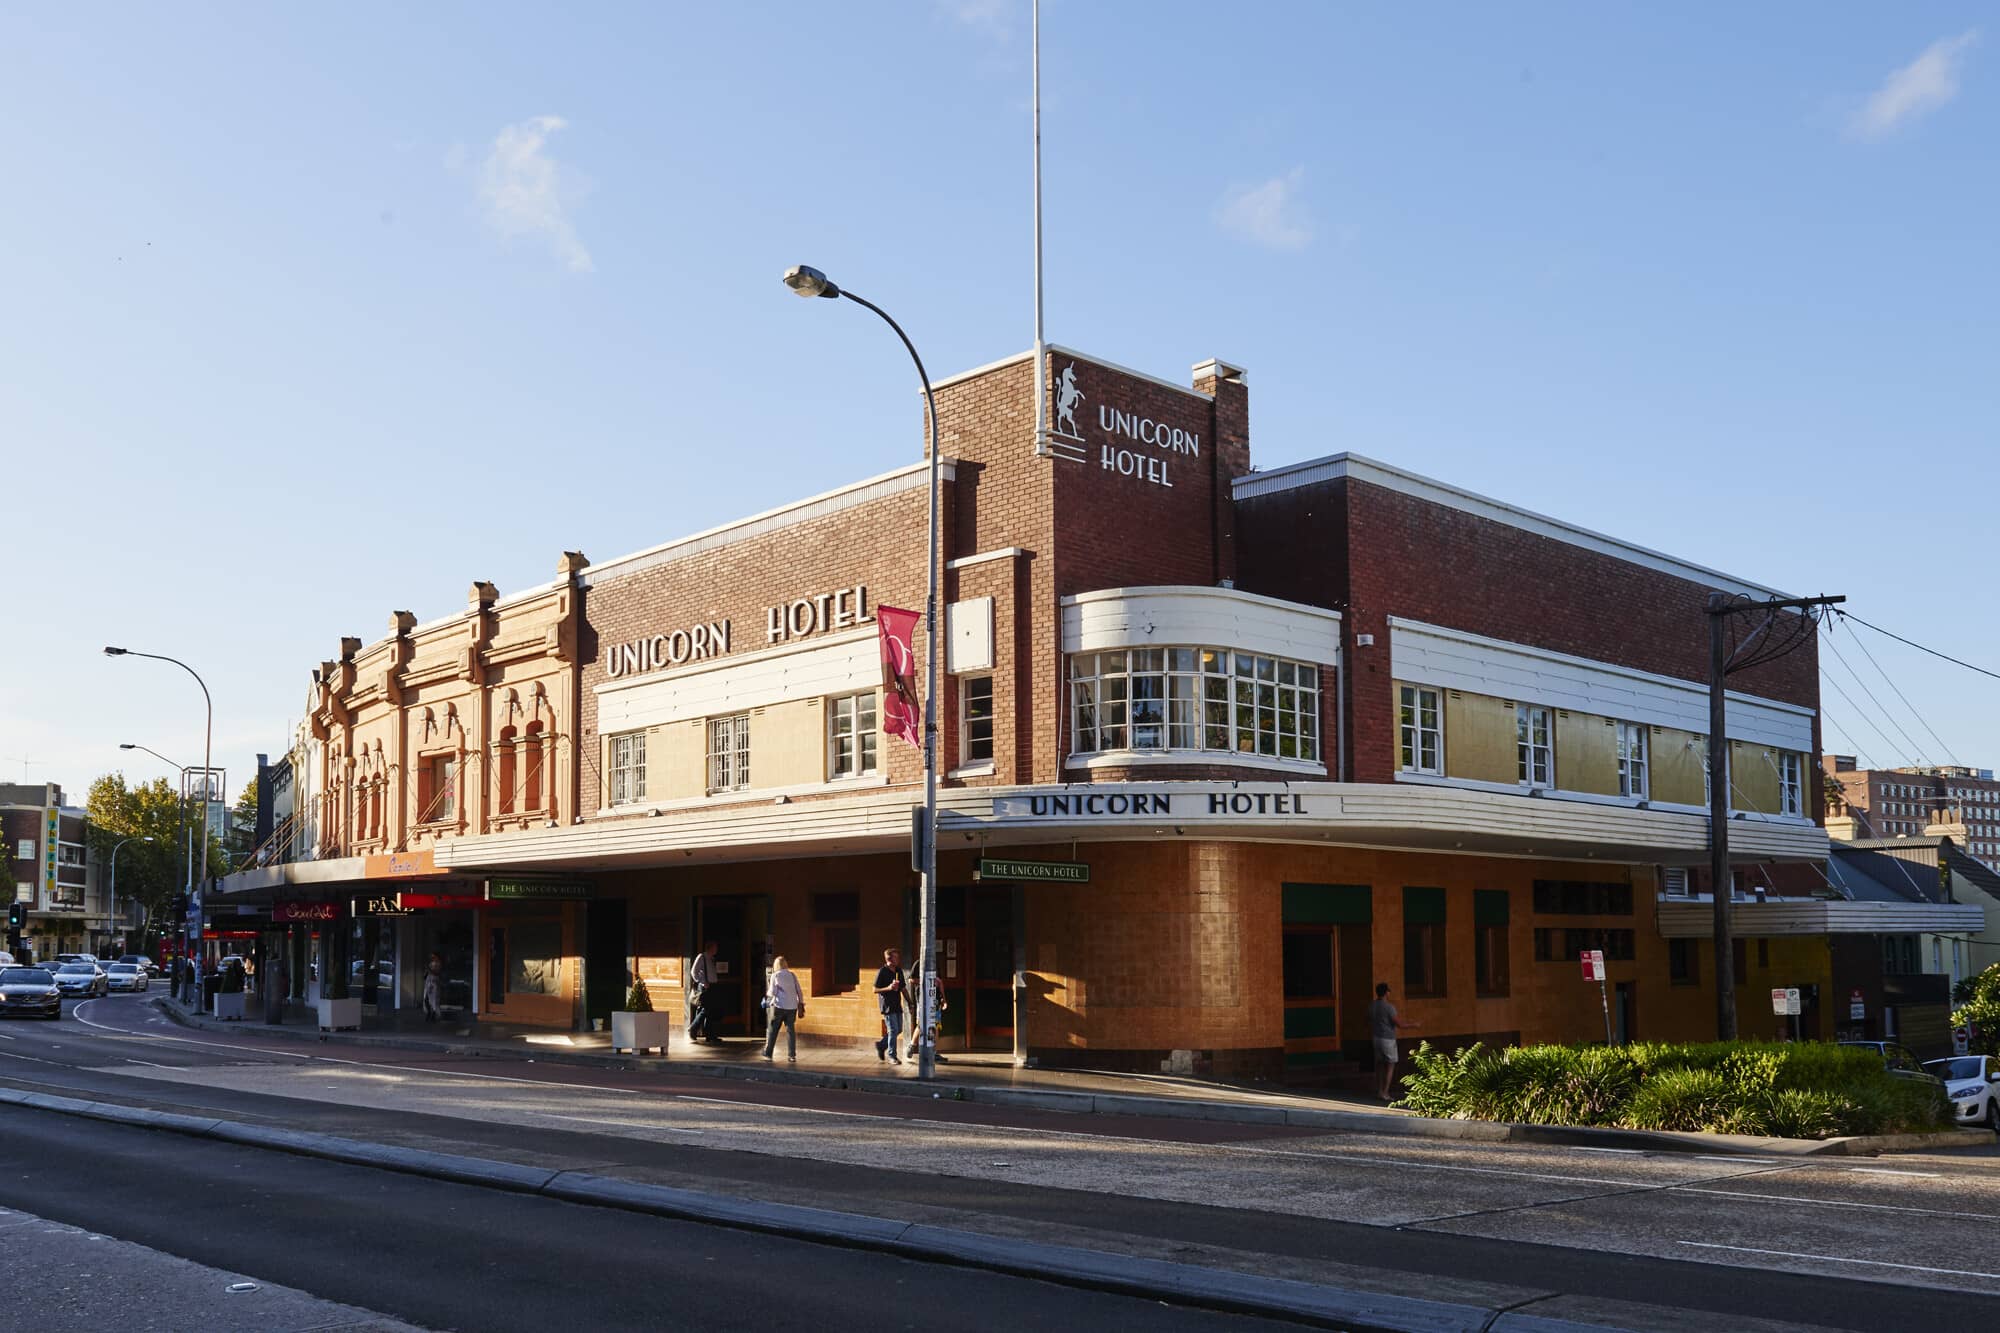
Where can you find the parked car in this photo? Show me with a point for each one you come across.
(1973, 1084)
(151, 968)
(1897, 1058)
(29, 990)
(127, 976)
(85, 979)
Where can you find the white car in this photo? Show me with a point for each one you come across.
(127, 976)
(1972, 1082)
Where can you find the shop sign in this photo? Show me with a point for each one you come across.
(1034, 872)
(286, 913)
(796, 618)
(54, 835)
(393, 865)
(1114, 421)
(382, 905)
(444, 902)
(1152, 805)
(503, 889)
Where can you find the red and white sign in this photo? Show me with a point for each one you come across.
(1593, 964)
(902, 712)
(1857, 1004)
(287, 912)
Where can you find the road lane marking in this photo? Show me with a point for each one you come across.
(1793, 1199)
(1885, 1171)
(1836, 1259)
(126, 1034)
(623, 1124)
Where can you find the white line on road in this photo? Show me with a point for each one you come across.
(1836, 1259)
(624, 1124)
(1885, 1171)
(1795, 1200)
(128, 1035)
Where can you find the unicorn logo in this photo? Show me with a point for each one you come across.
(1067, 397)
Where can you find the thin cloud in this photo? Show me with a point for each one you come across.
(1270, 214)
(525, 192)
(995, 18)
(1915, 90)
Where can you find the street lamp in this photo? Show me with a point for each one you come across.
(207, 740)
(808, 281)
(137, 837)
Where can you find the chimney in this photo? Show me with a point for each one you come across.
(1226, 385)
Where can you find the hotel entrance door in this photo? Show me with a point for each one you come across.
(740, 926)
(976, 966)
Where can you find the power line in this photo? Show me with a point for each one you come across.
(1909, 740)
(1920, 648)
(1946, 749)
(1858, 710)
(1852, 744)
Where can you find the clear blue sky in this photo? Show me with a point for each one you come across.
(311, 313)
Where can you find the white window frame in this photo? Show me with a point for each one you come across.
(971, 689)
(729, 753)
(1634, 760)
(1791, 784)
(1527, 750)
(1420, 748)
(853, 736)
(628, 768)
(1194, 700)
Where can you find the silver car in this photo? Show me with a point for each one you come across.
(126, 976)
(82, 980)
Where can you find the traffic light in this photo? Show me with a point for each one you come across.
(17, 915)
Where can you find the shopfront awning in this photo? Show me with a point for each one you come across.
(1793, 916)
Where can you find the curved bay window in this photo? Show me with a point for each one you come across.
(1194, 700)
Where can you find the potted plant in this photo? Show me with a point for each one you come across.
(637, 1027)
(229, 993)
(336, 1010)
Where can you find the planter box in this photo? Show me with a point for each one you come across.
(229, 1006)
(638, 1031)
(337, 1014)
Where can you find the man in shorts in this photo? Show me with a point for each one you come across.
(1382, 1026)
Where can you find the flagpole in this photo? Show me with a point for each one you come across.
(1041, 351)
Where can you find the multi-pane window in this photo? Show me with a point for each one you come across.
(628, 768)
(729, 752)
(1194, 699)
(1534, 736)
(1791, 784)
(1632, 760)
(437, 789)
(1420, 724)
(975, 720)
(850, 735)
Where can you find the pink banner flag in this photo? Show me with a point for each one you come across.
(901, 712)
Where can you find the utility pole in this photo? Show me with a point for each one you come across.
(1721, 662)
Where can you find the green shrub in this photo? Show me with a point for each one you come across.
(637, 1000)
(1794, 1090)
(1680, 1099)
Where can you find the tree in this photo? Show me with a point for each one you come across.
(149, 873)
(1978, 998)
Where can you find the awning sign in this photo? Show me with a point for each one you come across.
(1034, 872)
(285, 913)
(536, 888)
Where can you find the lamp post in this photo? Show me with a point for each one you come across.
(806, 281)
(182, 833)
(137, 837)
(207, 741)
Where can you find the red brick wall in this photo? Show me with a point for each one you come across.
(1374, 553)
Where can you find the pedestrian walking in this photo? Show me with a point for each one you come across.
(434, 988)
(889, 992)
(1382, 1025)
(701, 976)
(785, 1005)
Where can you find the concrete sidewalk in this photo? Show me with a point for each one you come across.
(994, 1080)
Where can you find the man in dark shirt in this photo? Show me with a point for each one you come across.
(889, 995)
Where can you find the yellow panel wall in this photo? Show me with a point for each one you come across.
(1479, 738)
(1586, 754)
(1676, 759)
(682, 767)
(788, 744)
(1753, 777)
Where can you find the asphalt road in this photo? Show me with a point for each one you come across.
(455, 1257)
(1839, 1243)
